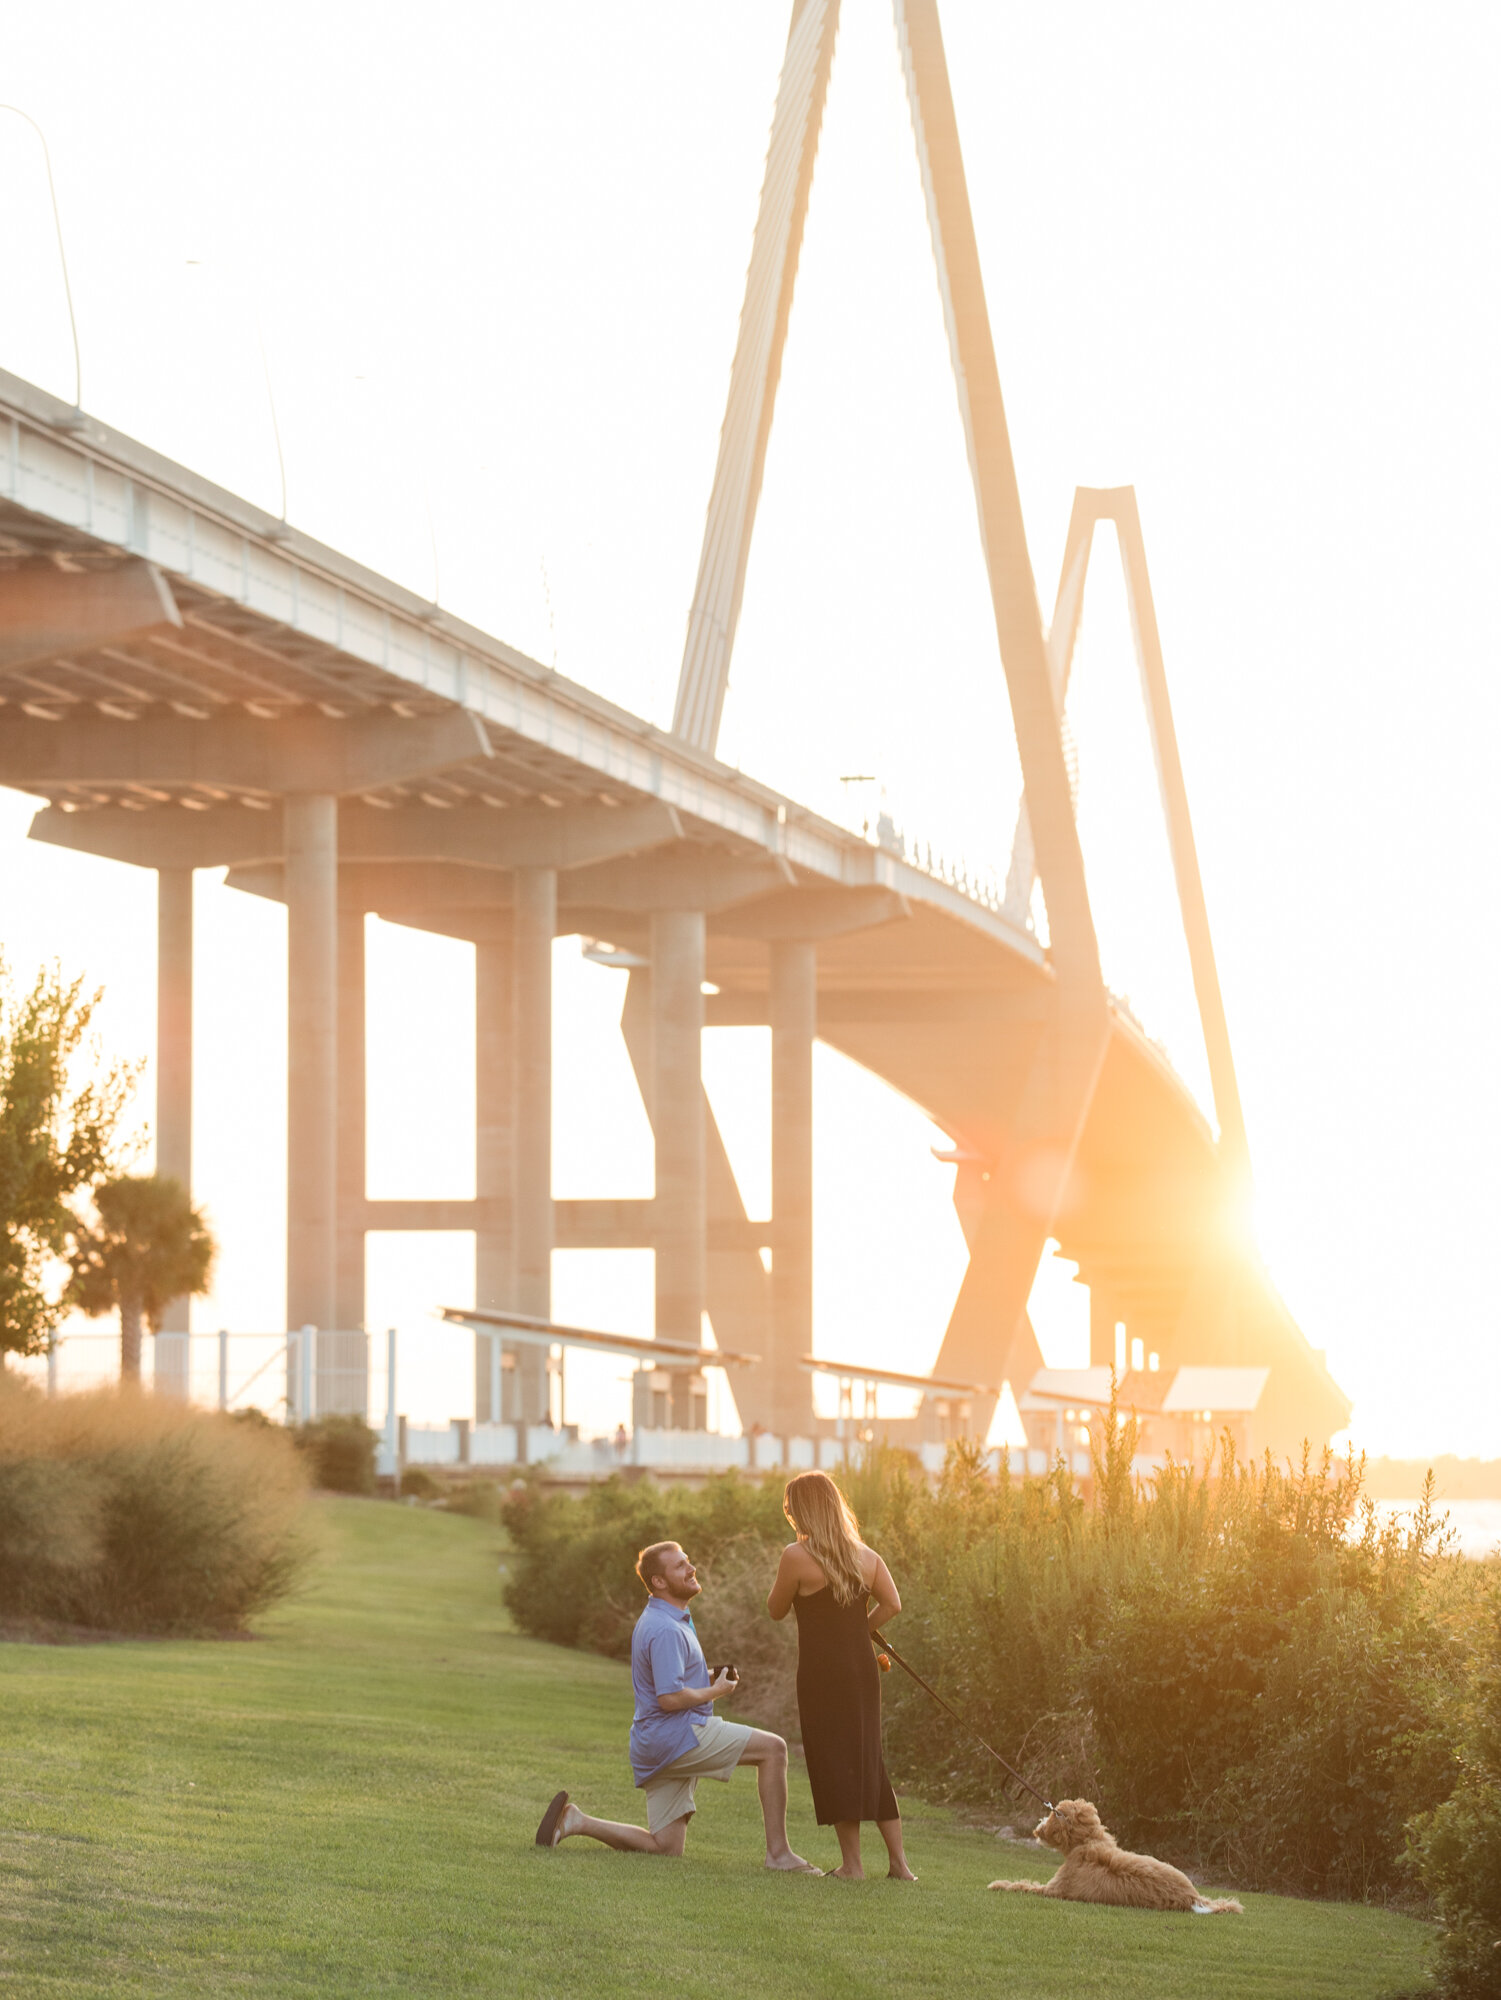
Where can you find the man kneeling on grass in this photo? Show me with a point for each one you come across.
(676, 1738)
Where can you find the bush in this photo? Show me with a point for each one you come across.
(1237, 1662)
(1347, 1744)
(480, 1499)
(126, 1513)
(575, 1580)
(1457, 1847)
(417, 1483)
(340, 1453)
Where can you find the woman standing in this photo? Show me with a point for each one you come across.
(828, 1577)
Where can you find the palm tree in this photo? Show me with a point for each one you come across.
(150, 1246)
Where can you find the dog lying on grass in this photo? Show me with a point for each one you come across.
(1095, 1870)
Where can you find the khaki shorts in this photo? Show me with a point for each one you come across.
(669, 1792)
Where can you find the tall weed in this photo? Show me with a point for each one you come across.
(128, 1513)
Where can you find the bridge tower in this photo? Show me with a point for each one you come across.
(1009, 1208)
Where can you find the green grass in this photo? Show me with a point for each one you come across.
(346, 1806)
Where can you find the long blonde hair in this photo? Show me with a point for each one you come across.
(825, 1520)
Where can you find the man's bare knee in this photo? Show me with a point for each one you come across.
(764, 1748)
(673, 1838)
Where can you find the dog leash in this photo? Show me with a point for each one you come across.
(879, 1639)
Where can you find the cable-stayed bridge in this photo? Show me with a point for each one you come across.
(192, 683)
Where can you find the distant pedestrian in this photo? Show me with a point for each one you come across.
(829, 1577)
(676, 1737)
(622, 1441)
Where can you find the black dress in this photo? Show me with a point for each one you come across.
(839, 1702)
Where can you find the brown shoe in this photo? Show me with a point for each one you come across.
(547, 1832)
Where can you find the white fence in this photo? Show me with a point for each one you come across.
(460, 1443)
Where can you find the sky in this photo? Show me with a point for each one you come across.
(486, 266)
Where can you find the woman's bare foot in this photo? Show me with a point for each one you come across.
(791, 1864)
(902, 1874)
(846, 1874)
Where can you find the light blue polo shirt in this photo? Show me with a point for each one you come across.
(665, 1658)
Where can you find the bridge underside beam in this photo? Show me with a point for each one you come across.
(413, 890)
(801, 913)
(888, 1007)
(230, 836)
(46, 610)
(239, 753)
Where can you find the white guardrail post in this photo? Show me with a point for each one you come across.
(389, 1463)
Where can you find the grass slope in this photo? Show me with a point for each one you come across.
(346, 1806)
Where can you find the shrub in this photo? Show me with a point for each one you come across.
(1235, 1661)
(1263, 1682)
(1237, 1677)
(1457, 1846)
(575, 1580)
(340, 1453)
(1348, 1743)
(480, 1499)
(126, 1513)
(417, 1483)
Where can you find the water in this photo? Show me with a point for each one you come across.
(1476, 1523)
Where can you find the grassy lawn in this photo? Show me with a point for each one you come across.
(346, 1806)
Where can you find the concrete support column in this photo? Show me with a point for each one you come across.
(1102, 1319)
(494, 1156)
(677, 1116)
(349, 1300)
(311, 824)
(174, 1088)
(794, 1023)
(534, 921)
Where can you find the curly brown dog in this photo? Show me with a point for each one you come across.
(1095, 1870)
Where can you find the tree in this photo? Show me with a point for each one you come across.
(150, 1246)
(54, 1140)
